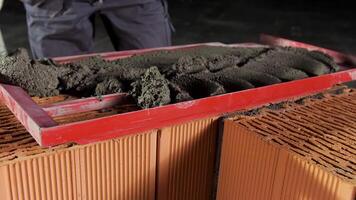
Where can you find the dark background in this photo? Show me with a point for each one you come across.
(324, 23)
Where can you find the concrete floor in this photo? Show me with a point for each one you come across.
(231, 22)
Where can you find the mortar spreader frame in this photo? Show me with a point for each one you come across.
(39, 121)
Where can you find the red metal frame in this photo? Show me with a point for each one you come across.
(31, 116)
(338, 57)
(87, 104)
(38, 121)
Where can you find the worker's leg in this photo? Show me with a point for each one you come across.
(144, 25)
(59, 27)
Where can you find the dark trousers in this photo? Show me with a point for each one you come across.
(66, 27)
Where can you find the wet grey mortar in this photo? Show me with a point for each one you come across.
(168, 76)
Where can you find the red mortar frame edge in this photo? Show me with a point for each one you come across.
(39, 123)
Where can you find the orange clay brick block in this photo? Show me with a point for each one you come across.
(305, 150)
(123, 168)
(116, 169)
(175, 162)
(186, 160)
